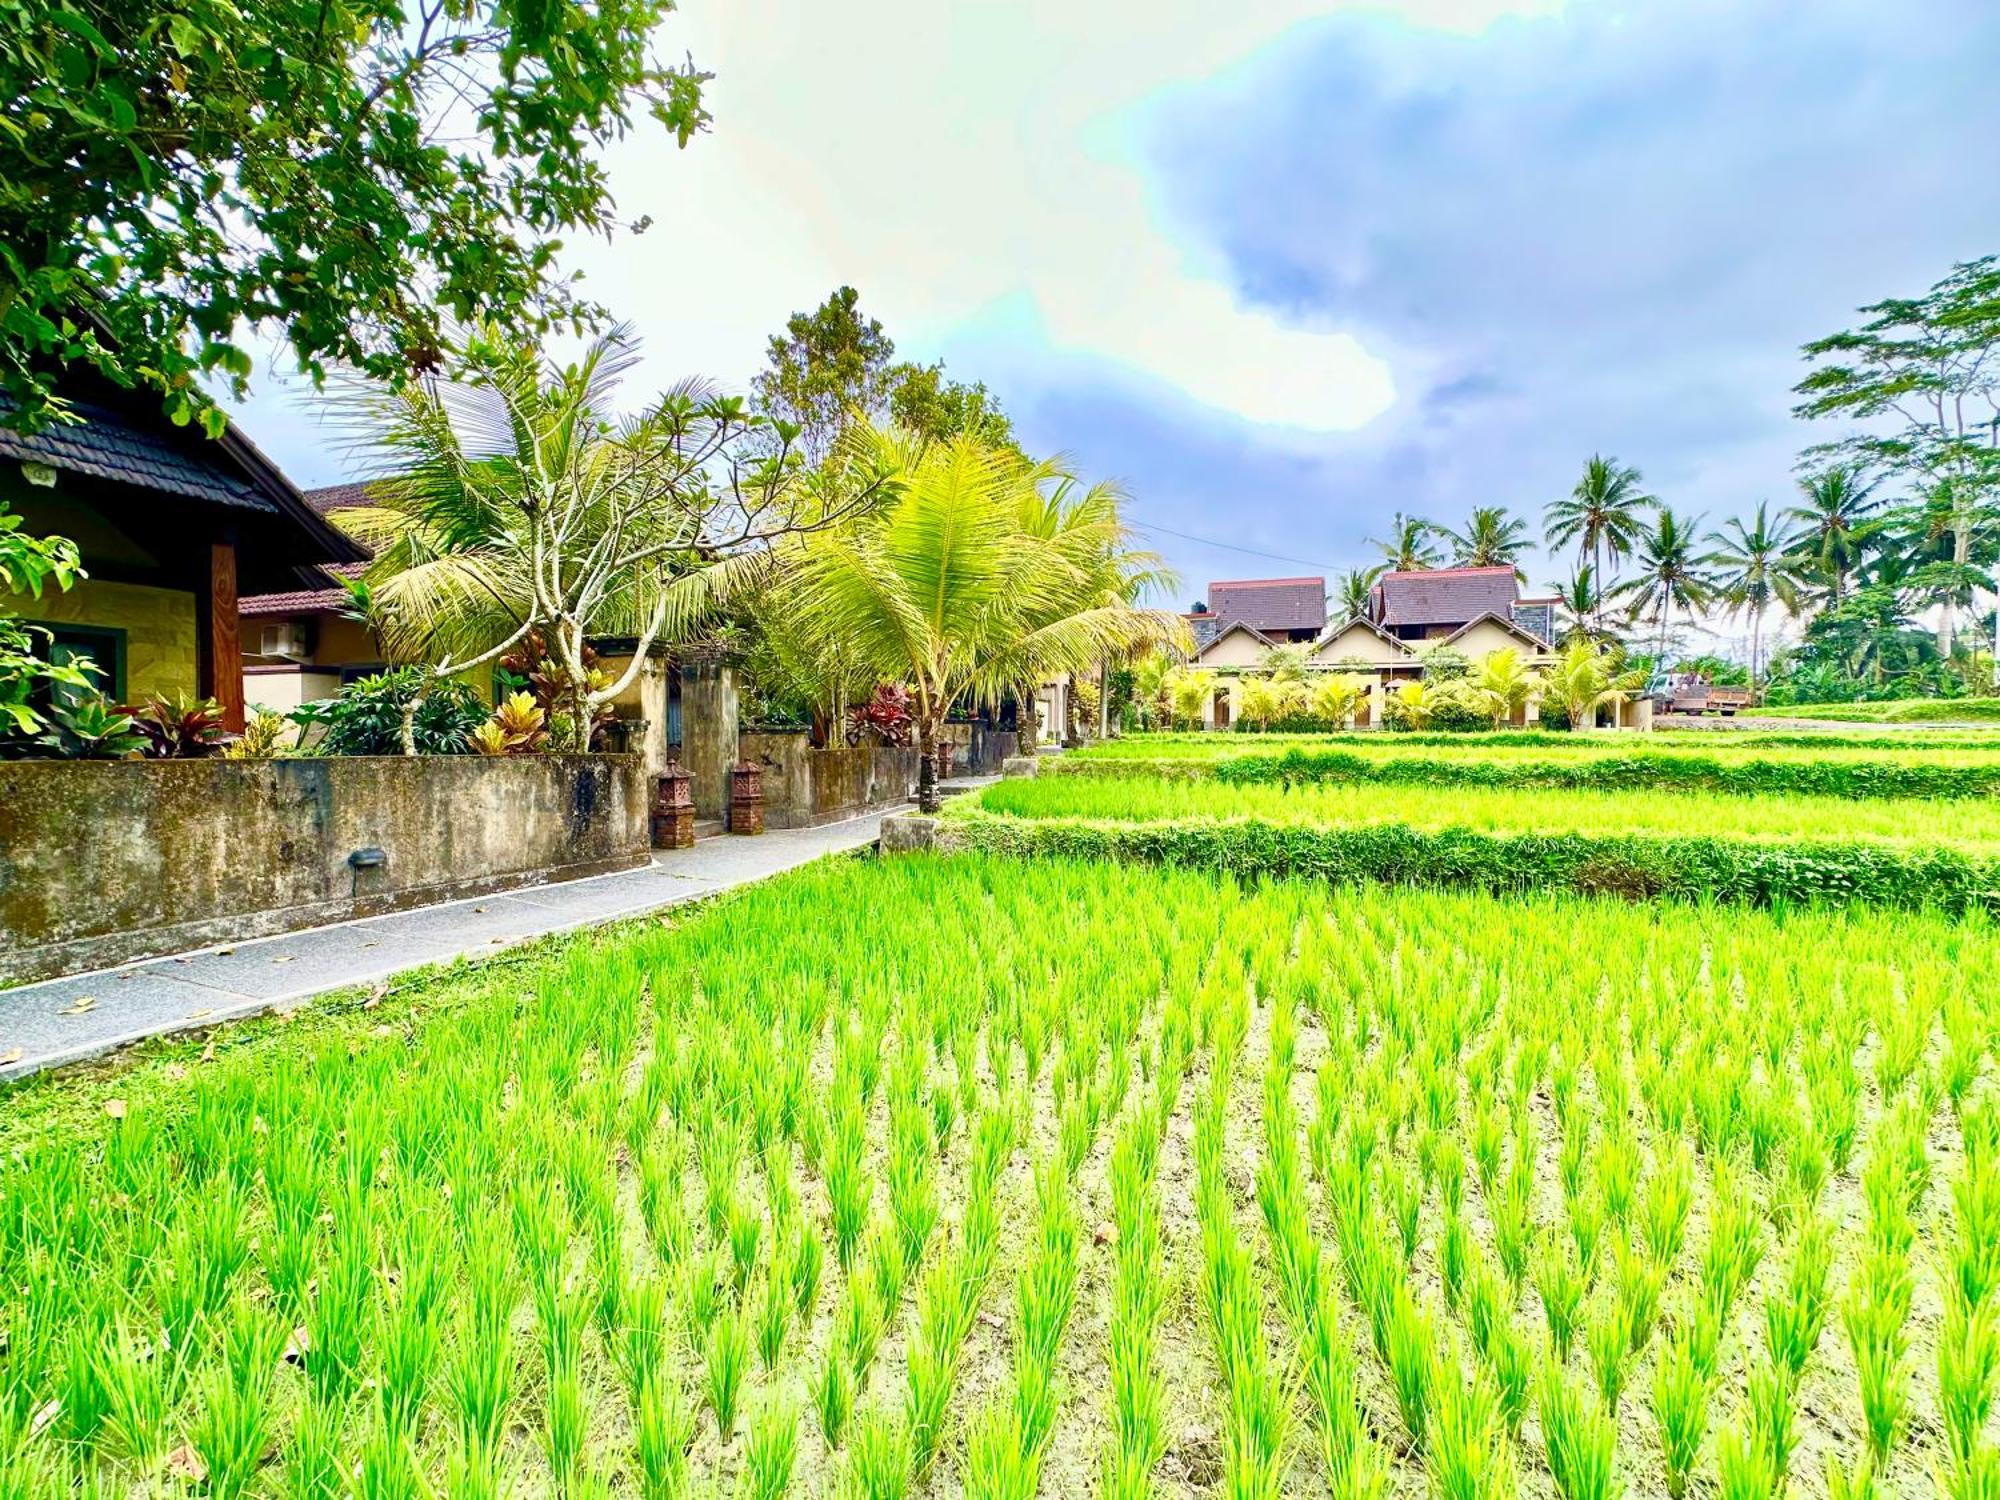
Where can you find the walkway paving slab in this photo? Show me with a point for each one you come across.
(45, 1025)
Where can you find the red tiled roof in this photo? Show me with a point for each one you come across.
(332, 497)
(1444, 596)
(299, 601)
(1267, 604)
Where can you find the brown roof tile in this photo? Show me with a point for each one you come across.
(1444, 596)
(1267, 604)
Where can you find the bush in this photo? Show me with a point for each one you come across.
(1633, 866)
(367, 718)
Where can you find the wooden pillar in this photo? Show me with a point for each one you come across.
(219, 645)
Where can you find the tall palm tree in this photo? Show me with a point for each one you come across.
(1582, 604)
(1672, 574)
(1758, 568)
(1491, 539)
(1836, 524)
(1351, 590)
(945, 587)
(1603, 514)
(1408, 547)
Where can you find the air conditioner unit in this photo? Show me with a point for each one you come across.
(286, 640)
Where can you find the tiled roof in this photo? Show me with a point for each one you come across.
(1444, 596)
(300, 601)
(105, 446)
(1267, 604)
(1538, 617)
(332, 497)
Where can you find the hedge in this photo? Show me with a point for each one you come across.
(1607, 772)
(1633, 866)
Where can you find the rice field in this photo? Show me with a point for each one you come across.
(958, 1177)
(1902, 748)
(1968, 826)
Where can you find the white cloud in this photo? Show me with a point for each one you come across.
(949, 159)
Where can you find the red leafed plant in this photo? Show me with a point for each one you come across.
(179, 728)
(886, 715)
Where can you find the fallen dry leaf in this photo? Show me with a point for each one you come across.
(208, 1052)
(12, 1056)
(115, 1108)
(225, 952)
(283, 958)
(176, 1071)
(81, 1005)
(185, 1463)
(479, 908)
(375, 995)
(196, 1015)
(385, 1030)
(46, 1413)
(1107, 1233)
(297, 1347)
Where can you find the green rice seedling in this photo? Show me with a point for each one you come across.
(312, 1454)
(1681, 1389)
(1403, 1195)
(745, 1228)
(387, 1468)
(81, 1390)
(848, 1185)
(1735, 1240)
(1586, 1229)
(1875, 1314)
(879, 1465)
(700, 1293)
(1771, 1397)
(1974, 1250)
(771, 1451)
(1467, 1455)
(1454, 1255)
(1607, 1337)
(1355, 1467)
(1857, 1483)
(1795, 1311)
(1410, 1356)
(999, 1463)
(232, 1421)
(660, 1202)
(1974, 1475)
(1968, 1356)
(858, 1326)
(1579, 1437)
(1561, 1284)
(641, 1343)
(1664, 1203)
(833, 1396)
(663, 1430)
(1638, 1282)
(1512, 1217)
(137, 1380)
(1743, 1468)
(409, 1338)
(773, 1315)
(725, 1361)
(564, 1416)
(807, 1260)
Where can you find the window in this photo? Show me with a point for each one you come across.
(69, 644)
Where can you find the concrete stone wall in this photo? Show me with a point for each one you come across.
(158, 624)
(103, 862)
(804, 787)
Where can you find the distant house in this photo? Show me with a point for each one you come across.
(1285, 611)
(1475, 611)
(298, 645)
(172, 527)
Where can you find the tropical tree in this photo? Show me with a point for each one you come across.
(1603, 514)
(355, 177)
(1491, 539)
(1920, 378)
(1336, 699)
(1504, 683)
(513, 505)
(1584, 678)
(1758, 568)
(944, 588)
(1836, 517)
(1414, 703)
(1581, 603)
(1409, 547)
(1264, 699)
(1189, 691)
(1672, 574)
(1286, 663)
(1351, 590)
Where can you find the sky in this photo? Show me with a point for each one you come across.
(1285, 268)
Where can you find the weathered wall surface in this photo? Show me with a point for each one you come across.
(102, 862)
(804, 787)
(158, 625)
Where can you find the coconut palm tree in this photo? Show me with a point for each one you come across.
(1491, 539)
(1582, 604)
(1409, 547)
(1351, 590)
(1189, 690)
(1671, 574)
(1758, 569)
(945, 588)
(1335, 699)
(1603, 514)
(1504, 683)
(1836, 517)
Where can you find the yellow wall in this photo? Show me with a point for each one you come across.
(1488, 636)
(159, 626)
(1358, 640)
(1236, 648)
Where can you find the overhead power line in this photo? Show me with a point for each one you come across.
(1209, 541)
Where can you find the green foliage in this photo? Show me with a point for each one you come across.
(409, 167)
(367, 717)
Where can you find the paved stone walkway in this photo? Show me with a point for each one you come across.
(68, 1020)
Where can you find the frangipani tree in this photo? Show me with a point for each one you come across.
(515, 502)
(943, 586)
